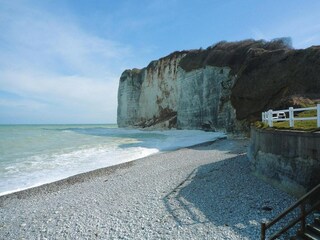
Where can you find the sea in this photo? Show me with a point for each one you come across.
(33, 155)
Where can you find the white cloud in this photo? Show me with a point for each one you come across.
(304, 30)
(49, 59)
(74, 93)
(22, 104)
(62, 89)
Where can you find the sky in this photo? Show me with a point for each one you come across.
(61, 60)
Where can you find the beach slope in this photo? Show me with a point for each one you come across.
(203, 192)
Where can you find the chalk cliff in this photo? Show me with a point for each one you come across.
(225, 86)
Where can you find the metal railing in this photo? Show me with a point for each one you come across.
(272, 116)
(304, 212)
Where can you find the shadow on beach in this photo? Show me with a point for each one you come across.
(226, 194)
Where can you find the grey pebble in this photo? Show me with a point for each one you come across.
(204, 192)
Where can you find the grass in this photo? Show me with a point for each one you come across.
(308, 125)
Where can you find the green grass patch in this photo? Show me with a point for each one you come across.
(309, 113)
(308, 125)
(260, 125)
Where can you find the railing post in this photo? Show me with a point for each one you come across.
(262, 117)
(263, 231)
(318, 115)
(291, 117)
(270, 119)
(303, 217)
(266, 117)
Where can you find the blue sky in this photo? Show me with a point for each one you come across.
(60, 60)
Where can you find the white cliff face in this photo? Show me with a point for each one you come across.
(149, 96)
(128, 98)
(164, 95)
(159, 90)
(200, 89)
(204, 98)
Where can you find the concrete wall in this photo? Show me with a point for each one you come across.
(288, 159)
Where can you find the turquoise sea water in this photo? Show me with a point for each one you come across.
(31, 155)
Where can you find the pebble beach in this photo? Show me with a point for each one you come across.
(202, 192)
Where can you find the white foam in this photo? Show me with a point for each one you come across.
(121, 146)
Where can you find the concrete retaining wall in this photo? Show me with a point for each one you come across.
(288, 159)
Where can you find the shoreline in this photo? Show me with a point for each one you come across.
(200, 192)
(63, 183)
(81, 177)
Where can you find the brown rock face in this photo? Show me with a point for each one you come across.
(269, 75)
(223, 87)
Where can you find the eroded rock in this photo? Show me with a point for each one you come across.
(226, 86)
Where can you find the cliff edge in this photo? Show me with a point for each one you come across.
(225, 86)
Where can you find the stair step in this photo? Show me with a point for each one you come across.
(317, 220)
(315, 227)
(298, 237)
(311, 235)
(316, 214)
